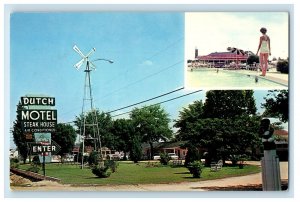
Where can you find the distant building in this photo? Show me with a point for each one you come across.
(282, 144)
(166, 147)
(13, 153)
(219, 59)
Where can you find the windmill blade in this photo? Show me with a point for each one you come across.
(78, 64)
(92, 51)
(75, 48)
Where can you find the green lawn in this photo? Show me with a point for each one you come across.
(130, 173)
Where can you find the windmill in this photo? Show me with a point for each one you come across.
(88, 99)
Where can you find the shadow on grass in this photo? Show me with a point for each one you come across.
(191, 177)
(93, 177)
(182, 173)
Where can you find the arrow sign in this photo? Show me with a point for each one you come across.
(57, 147)
(54, 148)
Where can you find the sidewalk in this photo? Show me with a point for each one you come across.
(272, 75)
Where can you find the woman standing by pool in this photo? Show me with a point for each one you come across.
(265, 50)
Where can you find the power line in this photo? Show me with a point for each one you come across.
(161, 102)
(131, 84)
(146, 100)
(146, 77)
(166, 48)
(155, 54)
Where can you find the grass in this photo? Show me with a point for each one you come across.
(130, 173)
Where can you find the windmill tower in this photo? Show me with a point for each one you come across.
(88, 105)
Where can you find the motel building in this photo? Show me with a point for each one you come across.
(219, 60)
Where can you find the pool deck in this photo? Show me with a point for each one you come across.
(272, 75)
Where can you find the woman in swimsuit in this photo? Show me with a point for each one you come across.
(265, 50)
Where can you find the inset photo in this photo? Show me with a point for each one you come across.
(236, 50)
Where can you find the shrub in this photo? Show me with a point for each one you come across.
(34, 168)
(101, 172)
(242, 160)
(195, 168)
(192, 155)
(283, 66)
(135, 150)
(93, 159)
(164, 158)
(113, 165)
(36, 161)
(151, 164)
(14, 163)
(35, 165)
(234, 159)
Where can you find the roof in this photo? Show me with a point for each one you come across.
(281, 133)
(223, 56)
(160, 145)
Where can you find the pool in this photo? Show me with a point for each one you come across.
(227, 79)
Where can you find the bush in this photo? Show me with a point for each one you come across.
(234, 159)
(164, 158)
(93, 159)
(242, 160)
(14, 163)
(113, 165)
(101, 172)
(136, 149)
(36, 161)
(195, 168)
(192, 155)
(34, 168)
(35, 165)
(283, 66)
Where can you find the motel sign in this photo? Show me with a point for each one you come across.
(35, 119)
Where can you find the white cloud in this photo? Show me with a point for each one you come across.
(215, 31)
(147, 63)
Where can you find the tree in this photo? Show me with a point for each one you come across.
(277, 104)
(19, 136)
(104, 125)
(229, 103)
(65, 137)
(188, 115)
(152, 123)
(283, 66)
(252, 59)
(135, 148)
(122, 131)
(225, 125)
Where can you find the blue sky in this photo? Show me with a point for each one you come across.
(140, 45)
(147, 50)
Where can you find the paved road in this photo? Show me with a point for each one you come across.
(184, 186)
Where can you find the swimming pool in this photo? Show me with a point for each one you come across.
(227, 79)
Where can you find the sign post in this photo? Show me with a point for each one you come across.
(44, 169)
(40, 120)
(40, 148)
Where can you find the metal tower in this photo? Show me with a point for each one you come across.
(88, 110)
